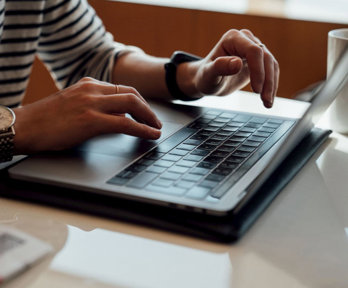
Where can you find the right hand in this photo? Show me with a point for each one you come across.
(86, 109)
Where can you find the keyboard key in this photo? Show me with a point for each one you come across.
(136, 167)
(241, 154)
(235, 124)
(207, 147)
(251, 143)
(235, 159)
(237, 138)
(198, 192)
(213, 159)
(146, 162)
(242, 134)
(200, 152)
(222, 171)
(215, 177)
(228, 165)
(247, 129)
(178, 169)
(170, 176)
(219, 137)
(200, 171)
(193, 157)
(257, 139)
(199, 137)
(170, 157)
(141, 180)
(163, 163)
(118, 181)
(174, 140)
(156, 169)
(126, 174)
(162, 182)
(220, 153)
(265, 129)
(253, 125)
(231, 143)
(222, 119)
(207, 165)
(209, 184)
(176, 191)
(262, 134)
(185, 184)
(213, 142)
(271, 125)
(186, 147)
(194, 142)
(216, 124)
(228, 115)
(245, 148)
(226, 148)
(192, 177)
(179, 152)
(154, 155)
(242, 118)
(187, 163)
(260, 120)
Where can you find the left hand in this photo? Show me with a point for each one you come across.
(238, 57)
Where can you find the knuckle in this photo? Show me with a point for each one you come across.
(132, 99)
(255, 50)
(232, 33)
(247, 31)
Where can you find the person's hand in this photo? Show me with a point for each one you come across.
(86, 109)
(238, 57)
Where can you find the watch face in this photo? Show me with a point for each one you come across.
(6, 118)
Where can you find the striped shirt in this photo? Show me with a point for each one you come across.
(66, 35)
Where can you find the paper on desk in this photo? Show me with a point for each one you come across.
(18, 252)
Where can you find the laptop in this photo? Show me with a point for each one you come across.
(209, 161)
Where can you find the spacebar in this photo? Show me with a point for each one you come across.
(175, 139)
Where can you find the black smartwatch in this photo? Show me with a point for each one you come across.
(177, 58)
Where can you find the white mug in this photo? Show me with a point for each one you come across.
(338, 111)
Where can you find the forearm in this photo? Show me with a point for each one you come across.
(147, 74)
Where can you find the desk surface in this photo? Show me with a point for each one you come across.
(300, 241)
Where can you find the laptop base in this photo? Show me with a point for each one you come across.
(225, 229)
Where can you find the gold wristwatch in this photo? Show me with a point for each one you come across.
(7, 132)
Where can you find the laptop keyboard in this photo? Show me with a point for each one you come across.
(204, 159)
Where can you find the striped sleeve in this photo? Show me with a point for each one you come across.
(74, 44)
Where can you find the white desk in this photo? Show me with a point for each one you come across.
(300, 241)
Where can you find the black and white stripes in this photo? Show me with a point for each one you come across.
(65, 34)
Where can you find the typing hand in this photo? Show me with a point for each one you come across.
(237, 58)
(79, 112)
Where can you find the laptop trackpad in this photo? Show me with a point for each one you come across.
(93, 162)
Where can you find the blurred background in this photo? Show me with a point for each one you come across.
(294, 30)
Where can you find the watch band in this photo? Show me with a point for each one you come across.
(6, 145)
(177, 58)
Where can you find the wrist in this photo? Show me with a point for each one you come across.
(180, 74)
(186, 79)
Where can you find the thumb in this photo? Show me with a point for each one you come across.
(225, 66)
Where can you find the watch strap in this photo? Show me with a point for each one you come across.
(177, 58)
(6, 145)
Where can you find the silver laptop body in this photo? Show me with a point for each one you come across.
(100, 164)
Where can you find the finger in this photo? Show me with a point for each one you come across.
(115, 124)
(131, 104)
(221, 66)
(245, 48)
(122, 89)
(106, 88)
(267, 93)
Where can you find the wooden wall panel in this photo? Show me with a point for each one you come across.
(299, 46)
